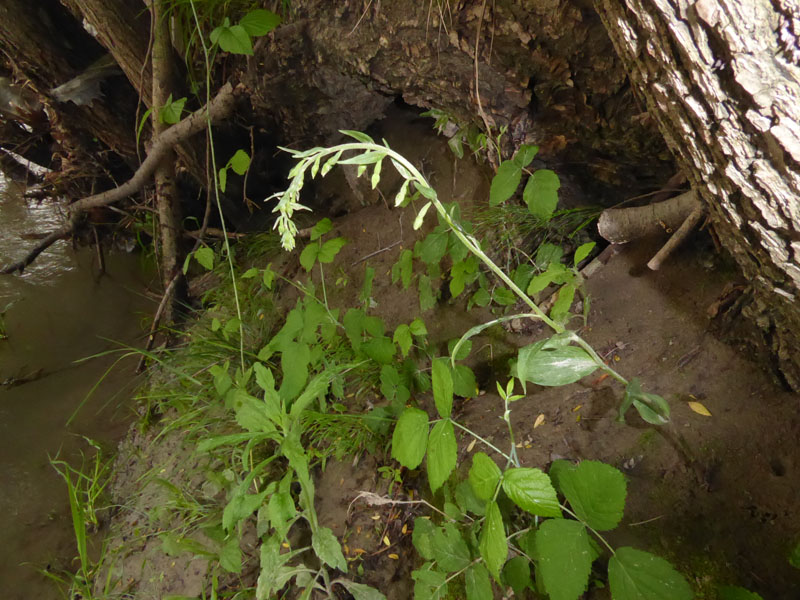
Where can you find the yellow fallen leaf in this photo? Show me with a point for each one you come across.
(405, 528)
(394, 557)
(471, 445)
(700, 409)
(386, 540)
(577, 408)
(539, 421)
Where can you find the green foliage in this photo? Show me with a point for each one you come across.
(237, 39)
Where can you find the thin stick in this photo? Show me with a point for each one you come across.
(677, 238)
(151, 337)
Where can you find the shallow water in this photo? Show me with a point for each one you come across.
(61, 310)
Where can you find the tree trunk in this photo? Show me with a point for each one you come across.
(722, 78)
(166, 193)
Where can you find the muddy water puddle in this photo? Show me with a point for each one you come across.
(59, 312)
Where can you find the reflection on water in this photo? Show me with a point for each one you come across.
(58, 312)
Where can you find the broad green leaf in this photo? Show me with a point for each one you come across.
(309, 256)
(321, 228)
(366, 287)
(357, 135)
(240, 162)
(459, 349)
(327, 548)
(427, 300)
(794, 556)
(295, 358)
(410, 438)
(233, 39)
(417, 327)
(464, 382)
(477, 583)
(353, 322)
(480, 298)
(429, 583)
(553, 366)
(359, 591)
(564, 558)
(433, 247)
(403, 269)
(637, 575)
(239, 508)
(596, 491)
(422, 537)
(171, 112)
(504, 296)
(548, 254)
(260, 22)
(504, 183)
(442, 453)
(734, 592)
(230, 556)
(442, 387)
(582, 252)
(330, 249)
(483, 476)
(251, 413)
(281, 511)
(205, 256)
(380, 349)
(450, 551)
(541, 193)
(531, 490)
(492, 544)
(467, 500)
(525, 155)
(556, 273)
(517, 574)
(402, 337)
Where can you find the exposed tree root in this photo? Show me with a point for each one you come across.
(620, 225)
(219, 108)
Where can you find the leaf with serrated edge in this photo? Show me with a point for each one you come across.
(492, 544)
(477, 583)
(483, 476)
(565, 558)
(596, 491)
(410, 438)
(442, 453)
(531, 490)
(327, 548)
(442, 387)
(637, 575)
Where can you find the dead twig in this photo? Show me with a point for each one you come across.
(677, 238)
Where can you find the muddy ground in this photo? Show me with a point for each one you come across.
(716, 495)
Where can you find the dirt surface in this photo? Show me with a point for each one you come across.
(716, 495)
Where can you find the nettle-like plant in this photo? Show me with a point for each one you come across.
(500, 522)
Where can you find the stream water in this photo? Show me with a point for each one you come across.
(59, 312)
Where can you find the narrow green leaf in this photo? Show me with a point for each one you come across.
(410, 438)
(483, 476)
(531, 490)
(295, 358)
(504, 183)
(358, 136)
(442, 453)
(427, 300)
(421, 215)
(492, 544)
(560, 311)
(637, 575)
(564, 558)
(734, 592)
(359, 591)
(442, 387)
(365, 158)
(281, 510)
(477, 583)
(596, 491)
(651, 407)
(582, 252)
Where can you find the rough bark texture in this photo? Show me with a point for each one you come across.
(45, 46)
(547, 70)
(723, 80)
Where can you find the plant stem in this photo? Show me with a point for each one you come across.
(480, 439)
(595, 532)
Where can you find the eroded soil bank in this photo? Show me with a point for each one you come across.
(714, 494)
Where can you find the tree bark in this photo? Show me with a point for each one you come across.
(166, 193)
(722, 79)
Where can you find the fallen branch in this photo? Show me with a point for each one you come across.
(620, 225)
(677, 238)
(219, 108)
